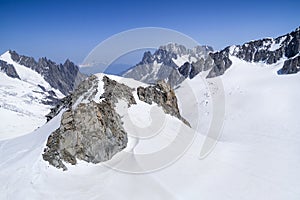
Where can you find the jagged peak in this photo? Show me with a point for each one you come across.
(64, 77)
(146, 55)
(180, 49)
(201, 48)
(174, 48)
(68, 62)
(171, 45)
(14, 55)
(46, 60)
(11, 51)
(43, 58)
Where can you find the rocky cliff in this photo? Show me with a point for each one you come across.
(8, 69)
(163, 95)
(63, 77)
(91, 129)
(291, 66)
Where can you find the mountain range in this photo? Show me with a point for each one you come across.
(174, 62)
(165, 62)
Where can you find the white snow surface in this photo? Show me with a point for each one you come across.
(274, 46)
(28, 75)
(21, 107)
(183, 59)
(256, 157)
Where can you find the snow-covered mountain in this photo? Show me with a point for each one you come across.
(28, 89)
(268, 50)
(258, 151)
(125, 127)
(181, 63)
(165, 62)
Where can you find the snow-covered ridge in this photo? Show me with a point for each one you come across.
(28, 75)
(25, 94)
(21, 107)
(282, 49)
(180, 63)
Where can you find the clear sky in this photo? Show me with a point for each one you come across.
(71, 29)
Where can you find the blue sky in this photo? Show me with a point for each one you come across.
(71, 29)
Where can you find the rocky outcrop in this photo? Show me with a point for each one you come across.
(291, 66)
(91, 129)
(8, 69)
(190, 70)
(64, 77)
(163, 95)
(221, 63)
(185, 69)
(113, 91)
(92, 132)
(65, 102)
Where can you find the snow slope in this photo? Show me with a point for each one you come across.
(21, 106)
(257, 156)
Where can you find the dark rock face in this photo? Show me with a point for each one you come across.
(164, 96)
(64, 77)
(260, 50)
(221, 63)
(185, 69)
(291, 66)
(175, 78)
(90, 131)
(161, 66)
(292, 47)
(8, 69)
(190, 70)
(165, 57)
(65, 102)
(196, 68)
(113, 91)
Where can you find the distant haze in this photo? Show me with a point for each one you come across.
(120, 65)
